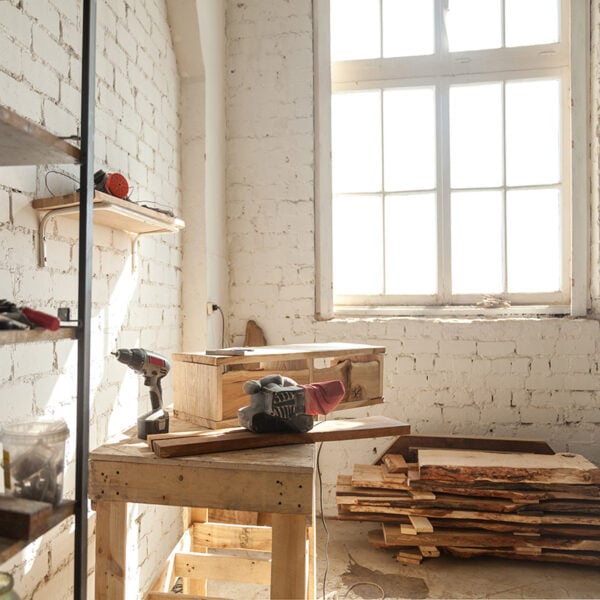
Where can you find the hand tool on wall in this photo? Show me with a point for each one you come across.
(279, 404)
(153, 367)
(26, 316)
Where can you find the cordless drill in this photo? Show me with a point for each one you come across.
(153, 367)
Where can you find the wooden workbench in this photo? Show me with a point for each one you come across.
(278, 480)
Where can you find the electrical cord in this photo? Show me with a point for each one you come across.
(57, 173)
(325, 573)
(323, 518)
(217, 307)
(376, 585)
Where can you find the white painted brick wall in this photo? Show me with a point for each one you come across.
(137, 134)
(523, 377)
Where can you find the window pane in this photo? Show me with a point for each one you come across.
(356, 141)
(473, 24)
(408, 27)
(533, 240)
(476, 242)
(410, 244)
(357, 245)
(409, 139)
(355, 29)
(530, 22)
(533, 132)
(476, 135)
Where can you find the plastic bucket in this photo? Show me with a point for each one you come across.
(34, 459)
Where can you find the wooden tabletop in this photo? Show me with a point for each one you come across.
(127, 448)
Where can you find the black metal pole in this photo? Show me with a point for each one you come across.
(86, 180)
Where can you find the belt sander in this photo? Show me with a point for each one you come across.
(279, 404)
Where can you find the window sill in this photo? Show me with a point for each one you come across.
(541, 310)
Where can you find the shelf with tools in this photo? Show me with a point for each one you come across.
(23, 142)
(109, 211)
(19, 336)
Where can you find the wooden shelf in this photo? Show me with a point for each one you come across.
(9, 547)
(22, 142)
(19, 336)
(114, 212)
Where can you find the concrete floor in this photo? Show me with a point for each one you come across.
(352, 560)
(353, 565)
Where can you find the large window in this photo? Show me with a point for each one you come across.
(456, 171)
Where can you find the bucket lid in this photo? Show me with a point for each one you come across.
(50, 430)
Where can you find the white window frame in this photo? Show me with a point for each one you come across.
(465, 69)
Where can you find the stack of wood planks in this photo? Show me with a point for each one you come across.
(521, 505)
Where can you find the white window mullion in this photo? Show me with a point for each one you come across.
(443, 193)
(504, 190)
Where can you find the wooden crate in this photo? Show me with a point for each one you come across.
(208, 388)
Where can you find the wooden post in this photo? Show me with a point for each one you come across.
(288, 562)
(111, 533)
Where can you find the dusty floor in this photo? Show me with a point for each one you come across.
(353, 565)
(352, 559)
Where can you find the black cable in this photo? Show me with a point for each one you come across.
(323, 518)
(57, 173)
(217, 307)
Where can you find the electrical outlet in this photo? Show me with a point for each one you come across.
(210, 308)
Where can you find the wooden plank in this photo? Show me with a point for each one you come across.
(177, 596)
(201, 485)
(289, 557)
(395, 463)
(224, 535)
(407, 445)
(409, 556)
(394, 536)
(577, 558)
(471, 465)
(238, 438)
(22, 142)
(226, 568)
(9, 546)
(284, 352)
(23, 519)
(429, 551)
(111, 531)
(421, 524)
(14, 336)
(372, 476)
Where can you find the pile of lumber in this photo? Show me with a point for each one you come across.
(520, 505)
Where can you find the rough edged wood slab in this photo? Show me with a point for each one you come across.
(471, 465)
(408, 444)
(577, 558)
(238, 438)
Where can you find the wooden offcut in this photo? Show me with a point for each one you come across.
(23, 519)
(408, 445)
(468, 466)
(238, 438)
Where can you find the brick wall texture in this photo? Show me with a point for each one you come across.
(525, 377)
(137, 133)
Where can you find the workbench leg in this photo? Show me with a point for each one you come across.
(288, 559)
(111, 537)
